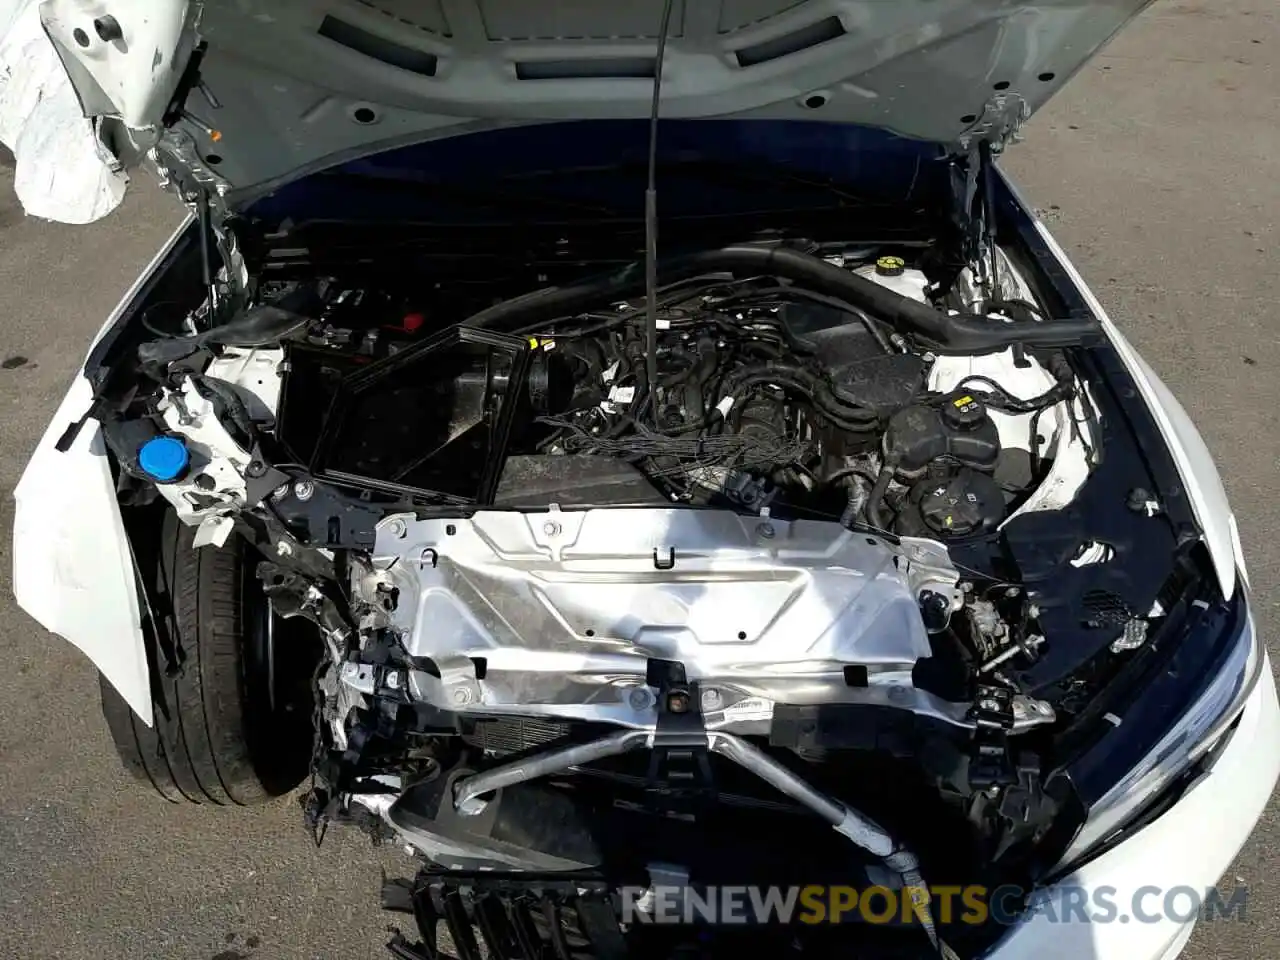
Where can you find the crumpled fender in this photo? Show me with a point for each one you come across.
(73, 569)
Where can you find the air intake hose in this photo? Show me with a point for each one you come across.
(958, 333)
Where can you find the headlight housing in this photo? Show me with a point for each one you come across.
(1196, 731)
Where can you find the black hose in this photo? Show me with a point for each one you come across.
(875, 499)
(682, 291)
(1029, 309)
(968, 333)
(965, 333)
(850, 515)
(841, 474)
(873, 328)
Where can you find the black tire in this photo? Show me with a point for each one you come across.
(220, 735)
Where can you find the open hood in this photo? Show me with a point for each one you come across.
(245, 95)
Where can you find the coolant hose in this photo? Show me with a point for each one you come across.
(875, 500)
(850, 515)
(967, 333)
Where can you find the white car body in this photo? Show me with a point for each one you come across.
(72, 567)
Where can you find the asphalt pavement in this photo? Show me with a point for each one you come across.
(1159, 170)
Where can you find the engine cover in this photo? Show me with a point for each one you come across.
(558, 613)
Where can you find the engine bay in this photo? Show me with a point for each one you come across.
(813, 509)
(768, 396)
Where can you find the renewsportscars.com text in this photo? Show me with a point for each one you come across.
(817, 904)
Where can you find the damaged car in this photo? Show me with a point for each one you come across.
(599, 447)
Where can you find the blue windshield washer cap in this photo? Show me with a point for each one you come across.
(164, 458)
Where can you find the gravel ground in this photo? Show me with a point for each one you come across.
(1159, 170)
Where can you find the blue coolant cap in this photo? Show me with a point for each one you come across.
(164, 458)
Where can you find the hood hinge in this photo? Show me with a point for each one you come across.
(972, 179)
(183, 172)
(999, 124)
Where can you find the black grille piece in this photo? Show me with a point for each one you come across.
(515, 735)
(485, 915)
(506, 918)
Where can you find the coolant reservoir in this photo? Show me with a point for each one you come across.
(892, 272)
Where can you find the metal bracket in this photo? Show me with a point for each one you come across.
(999, 124)
(679, 768)
(990, 760)
(457, 684)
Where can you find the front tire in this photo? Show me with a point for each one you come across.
(230, 727)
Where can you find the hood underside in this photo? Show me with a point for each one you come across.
(256, 93)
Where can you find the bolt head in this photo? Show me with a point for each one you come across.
(765, 531)
(462, 696)
(678, 702)
(283, 549)
(396, 528)
(551, 528)
(304, 490)
(393, 679)
(711, 700)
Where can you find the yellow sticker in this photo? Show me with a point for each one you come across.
(533, 342)
(963, 401)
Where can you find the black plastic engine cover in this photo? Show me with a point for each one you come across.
(578, 480)
(883, 382)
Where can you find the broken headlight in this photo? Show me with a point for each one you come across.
(1196, 731)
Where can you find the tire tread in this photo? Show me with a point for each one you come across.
(198, 749)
